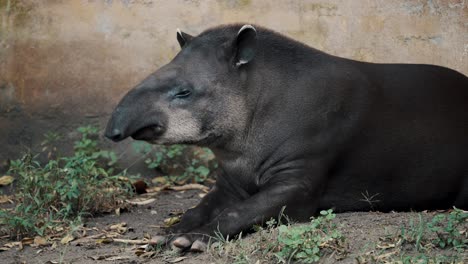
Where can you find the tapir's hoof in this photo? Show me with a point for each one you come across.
(158, 240)
(198, 246)
(181, 242)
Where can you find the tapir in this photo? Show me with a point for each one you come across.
(300, 130)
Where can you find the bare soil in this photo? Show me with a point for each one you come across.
(362, 231)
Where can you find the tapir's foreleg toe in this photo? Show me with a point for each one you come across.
(187, 235)
(183, 242)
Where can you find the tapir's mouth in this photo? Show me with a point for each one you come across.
(148, 133)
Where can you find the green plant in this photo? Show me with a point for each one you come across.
(443, 230)
(415, 233)
(447, 229)
(304, 243)
(88, 146)
(49, 144)
(422, 258)
(56, 195)
(179, 163)
(241, 250)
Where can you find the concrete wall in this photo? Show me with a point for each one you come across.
(65, 63)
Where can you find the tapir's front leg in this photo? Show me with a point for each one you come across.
(300, 199)
(209, 207)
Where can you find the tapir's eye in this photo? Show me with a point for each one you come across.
(183, 94)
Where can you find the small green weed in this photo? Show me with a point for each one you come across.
(88, 146)
(450, 233)
(49, 144)
(56, 195)
(304, 243)
(242, 251)
(443, 231)
(422, 258)
(179, 163)
(440, 239)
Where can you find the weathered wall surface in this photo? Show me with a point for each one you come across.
(66, 62)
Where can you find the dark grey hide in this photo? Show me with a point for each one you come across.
(295, 127)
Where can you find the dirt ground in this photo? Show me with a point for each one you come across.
(362, 232)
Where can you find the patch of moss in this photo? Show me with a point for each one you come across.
(16, 8)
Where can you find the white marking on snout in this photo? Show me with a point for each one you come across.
(182, 126)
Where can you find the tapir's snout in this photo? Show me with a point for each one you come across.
(114, 134)
(115, 129)
(120, 127)
(135, 120)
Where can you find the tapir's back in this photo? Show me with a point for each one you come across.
(412, 145)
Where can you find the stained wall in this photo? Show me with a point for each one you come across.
(67, 62)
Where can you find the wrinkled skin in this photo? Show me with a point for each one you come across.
(296, 128)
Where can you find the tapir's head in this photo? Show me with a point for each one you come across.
(197, 98)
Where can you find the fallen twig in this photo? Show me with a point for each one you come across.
(191, 186)
(132, 241)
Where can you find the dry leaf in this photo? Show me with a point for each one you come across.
(159, 180)
(386, 255)
(5, 199)
(105, 240)
(146, 235)
(157, 189)
(122, 178)
(27, 241)
(12, 245)
(120, 228)
(6, 180)
(171, 221)
(117, 226)
(210, 181)
(182, 182)
(103, 257)
(176, 212)
(40, 241)
(149, 254)
(117, 258)
(386, 246)
(67, 239)
(117, 211)
(140, 251)
(110, 190)
(179, 259)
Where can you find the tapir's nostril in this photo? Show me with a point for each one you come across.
(114, 135)
(158, 130)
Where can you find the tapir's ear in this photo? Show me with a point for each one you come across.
(183, 38)
(246, 45)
